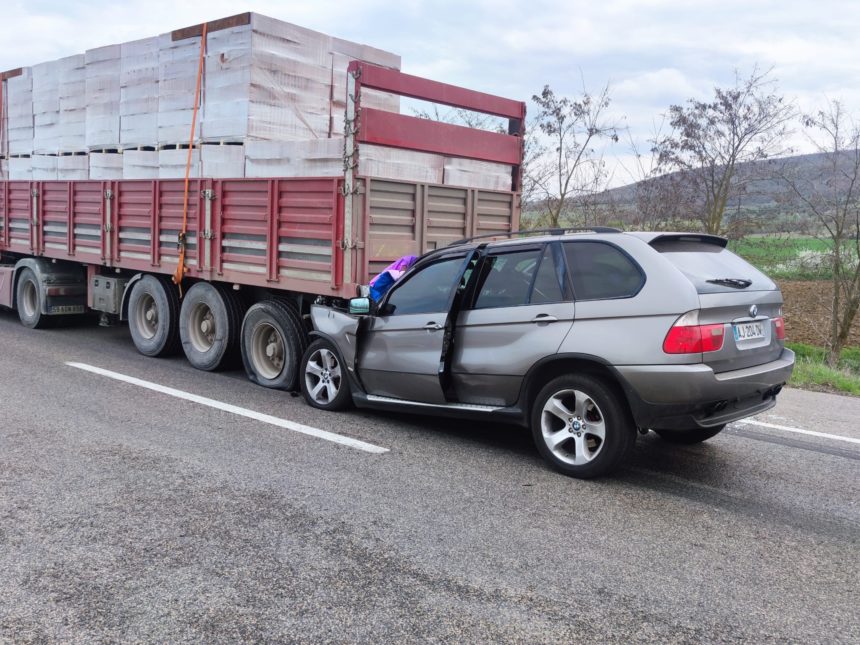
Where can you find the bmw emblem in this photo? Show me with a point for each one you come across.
(753, 311)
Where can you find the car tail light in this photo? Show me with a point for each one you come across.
(779, 327)
(688, 337)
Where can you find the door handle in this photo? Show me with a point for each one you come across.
(544, 318)
(432, 326)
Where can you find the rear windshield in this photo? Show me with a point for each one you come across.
(711, 268)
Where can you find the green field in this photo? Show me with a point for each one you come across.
(786, 257)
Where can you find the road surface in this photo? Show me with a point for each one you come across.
(141, 500)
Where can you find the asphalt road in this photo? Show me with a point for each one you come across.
(128, 514)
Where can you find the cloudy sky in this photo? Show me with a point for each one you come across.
(653, 53)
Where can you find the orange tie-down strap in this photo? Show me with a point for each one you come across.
(180, 267)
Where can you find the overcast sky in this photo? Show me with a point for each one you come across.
(653, 53)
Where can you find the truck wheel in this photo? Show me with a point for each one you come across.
(694, 435)
(28, 300)
(581, 427)
(324, 381)
(153, 316)
(272, 344)
(210, 322)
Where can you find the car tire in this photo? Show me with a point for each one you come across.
(210, 323)
(273, 342)
(28, 301)
(324, 381)
(153, 316)
(598, 430)
(694, 435)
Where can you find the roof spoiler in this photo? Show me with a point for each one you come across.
(701, 238)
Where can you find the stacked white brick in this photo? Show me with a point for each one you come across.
(73, 104)
(138, 106)
(19, 113)
(103, 74)
(46, 108)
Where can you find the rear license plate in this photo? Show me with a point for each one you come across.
(749, 331)
(67, 309)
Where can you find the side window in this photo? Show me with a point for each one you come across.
(506, 278)
(601, 271)
(547, 286)
(428, 291)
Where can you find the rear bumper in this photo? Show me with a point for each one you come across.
(692, 396)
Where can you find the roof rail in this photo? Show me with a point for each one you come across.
(549, 231)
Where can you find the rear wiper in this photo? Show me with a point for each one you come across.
(735, 283)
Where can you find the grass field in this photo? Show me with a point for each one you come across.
(811, 372)
(786, 257)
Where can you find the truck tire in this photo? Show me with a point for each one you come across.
(210, 323)
(28, 301)
(153, 316)
(273, 342)
(581, 426)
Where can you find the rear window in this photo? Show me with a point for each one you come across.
(701, 262)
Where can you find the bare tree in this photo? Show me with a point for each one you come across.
(710, 140)
(659, 200)
(566, 168)
(829, 194)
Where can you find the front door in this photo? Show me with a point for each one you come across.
(522, 311)
(401, 349)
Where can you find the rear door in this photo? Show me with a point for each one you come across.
(401, 350)
(521, 312)
(732, 292)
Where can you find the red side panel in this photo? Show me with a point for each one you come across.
(412, 133)
(390, 80)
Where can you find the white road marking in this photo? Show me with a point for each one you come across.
(813, 433)
(234, 409)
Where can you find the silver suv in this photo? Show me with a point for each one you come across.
(583, 336)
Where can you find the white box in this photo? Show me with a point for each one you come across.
(140, 164)
(477, 174)
(73, 167)
(44, 167)
(20, 169)
(106, 165)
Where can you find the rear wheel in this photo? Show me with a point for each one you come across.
(694, 435)
(325, 384)
(273, 342)
(153, 316)
(581, 427)
(210, 323)
(28, 300)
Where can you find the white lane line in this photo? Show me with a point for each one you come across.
(234, 409)
(763, 424)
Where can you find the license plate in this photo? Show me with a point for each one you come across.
(67, 309)
(749, 331)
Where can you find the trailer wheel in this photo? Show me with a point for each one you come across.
(273, 342)
(153, 316)
(210, 322)
(28, 300)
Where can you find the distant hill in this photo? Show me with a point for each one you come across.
(764, 190)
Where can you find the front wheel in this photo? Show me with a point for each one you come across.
(581, 427)
(325, 383)
(694, 435)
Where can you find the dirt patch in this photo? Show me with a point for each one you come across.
(807, 312)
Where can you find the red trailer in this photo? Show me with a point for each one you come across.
(257, 251)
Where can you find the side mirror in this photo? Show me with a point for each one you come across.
(359, 306)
